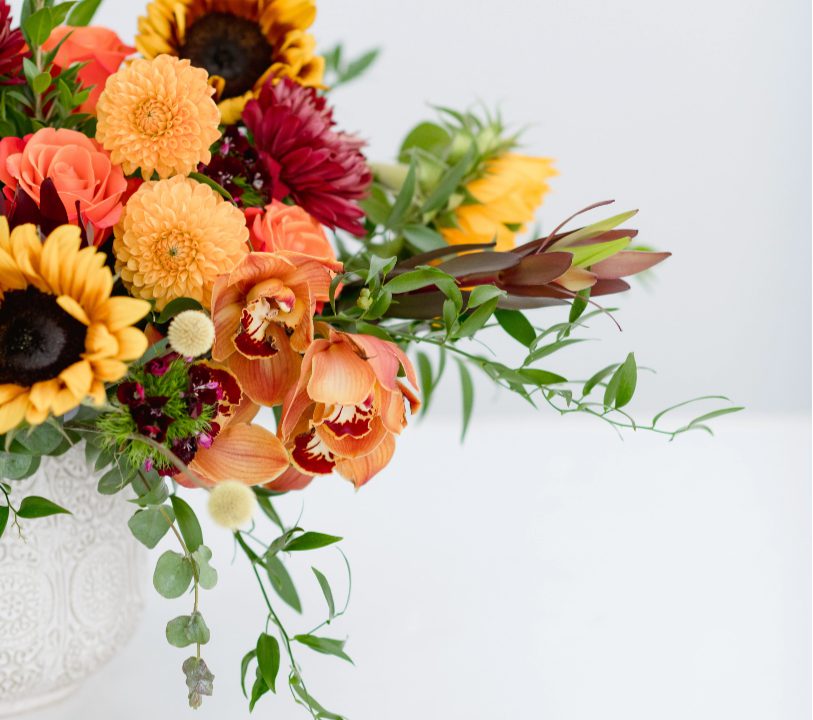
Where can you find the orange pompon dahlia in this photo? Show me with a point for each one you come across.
(240, 43)
(507, 197)
(288, 227)
(158, 116)
(62, 335)
(346, 408)
(263, 315)
(175, 237)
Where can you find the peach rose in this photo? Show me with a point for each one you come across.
(99, 47)
(288, 227)
(79, 167)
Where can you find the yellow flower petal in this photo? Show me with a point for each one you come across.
(119, 312)
(13, 412)
(73, 308)
(78, 378)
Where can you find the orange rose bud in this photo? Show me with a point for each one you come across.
(288, 227)
(99, 47)
(347, 407)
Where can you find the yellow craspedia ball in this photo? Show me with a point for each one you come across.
(232, 504)
(191, 333)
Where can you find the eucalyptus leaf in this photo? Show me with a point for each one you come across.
(207, 575)
(187, 630)
(199, 680)
(173, 574)
(151, 524)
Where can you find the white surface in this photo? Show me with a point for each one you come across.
(697, 112)
(551, 571)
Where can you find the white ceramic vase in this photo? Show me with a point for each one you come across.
(71, 591)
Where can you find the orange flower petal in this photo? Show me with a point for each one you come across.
(267, 380)
(291, 479)
(340, 377)
(361, 470)
(247, 453)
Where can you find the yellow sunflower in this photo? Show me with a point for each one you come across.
(508, 195)
(175, 237)
(240, 43)
(62, 336)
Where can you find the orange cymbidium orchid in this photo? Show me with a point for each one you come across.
(263, 315)
(346, 409)
(238, 449)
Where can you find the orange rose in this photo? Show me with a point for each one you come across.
(99, 47)
(346, 409)
(79, 167)
(288, 227)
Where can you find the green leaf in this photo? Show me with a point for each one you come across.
(43, 439)
(186, 630)
(244, 663)
(173, 574)
(326, 646)
(627, 376)
(427, 136)
(420, 238)
(713, 414)
(115, 479)
(38, 26)
(257, 691)
(14, 466)
(478, 318)
(586, 255)
(541, 377)
(217, 187)
(269, 511)
(426, 379)
(207, 575)
(309, 701)
(4, 512)
(516, 325)
(41, 83)
(188, 523)
(281, 582)
(311, 541)
(467, 388)
(424, 276)
(483, 293)
(592, 231)
(597, 378)
(553, 347)
(34, 506)
(686, 402)
(152, 493)
(176, 306)
(268, 657)
(578, 306)
(449, 183)
(327, 592)
(404, 200)
(150, 525)
(83, 12)
(358, 66)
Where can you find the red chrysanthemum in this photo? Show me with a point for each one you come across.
(322, 170)
(12, 47)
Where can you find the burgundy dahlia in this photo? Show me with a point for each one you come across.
(12, 47)
(322, 170)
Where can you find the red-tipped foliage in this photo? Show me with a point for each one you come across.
(322, 170)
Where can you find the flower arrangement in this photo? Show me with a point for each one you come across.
(187, 236)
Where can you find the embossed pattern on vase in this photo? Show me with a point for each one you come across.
(71, 593)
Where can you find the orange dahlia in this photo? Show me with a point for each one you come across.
(158, 116)
(62, 335)
(175, 237)
(240, 43)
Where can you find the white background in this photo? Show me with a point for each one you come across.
(548, 570)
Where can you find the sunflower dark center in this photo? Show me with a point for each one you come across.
(38, 339)
(230, 46)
